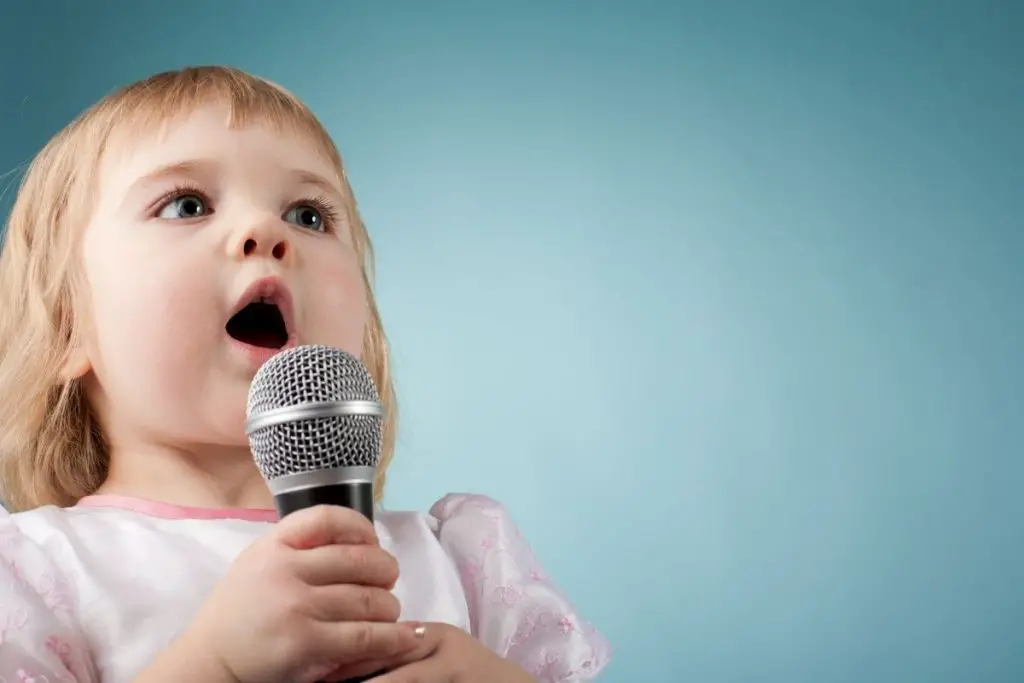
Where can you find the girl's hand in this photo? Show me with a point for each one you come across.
(307, 599)
(445, 654)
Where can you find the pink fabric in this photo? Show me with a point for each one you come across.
(91, 594)
(39, 639)
(512, 604)
(167, 511)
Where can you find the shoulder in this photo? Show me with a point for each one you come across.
(38, 606)
(29, 533)
(474, 529)
(468, 506)
(453, 505)
(453, 512)
(464, 525)
(33, 547)
(52, 529)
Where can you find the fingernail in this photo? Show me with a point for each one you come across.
(418, 629)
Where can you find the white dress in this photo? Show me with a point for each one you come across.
(91, 593)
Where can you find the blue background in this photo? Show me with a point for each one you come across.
(722, 299)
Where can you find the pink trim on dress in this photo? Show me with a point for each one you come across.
(160, 510)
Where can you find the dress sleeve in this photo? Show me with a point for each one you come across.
(514, 608)
(39, 640)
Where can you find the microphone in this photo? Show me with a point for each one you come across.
(315, 422)
(315, 425)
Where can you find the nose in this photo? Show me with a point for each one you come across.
(263, 241)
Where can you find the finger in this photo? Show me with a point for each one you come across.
(429, 643)
(364, 671)
(346, 602)
(357, 642)
(324, 525)
(429, 670)
(367, 565)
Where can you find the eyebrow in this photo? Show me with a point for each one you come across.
(195, 167)
(307, 178)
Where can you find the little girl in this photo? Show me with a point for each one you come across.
(144, 546)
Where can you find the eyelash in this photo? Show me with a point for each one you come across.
(323, 206)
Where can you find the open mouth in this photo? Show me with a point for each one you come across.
(260, 323)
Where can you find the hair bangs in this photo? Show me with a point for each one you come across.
(156, 103)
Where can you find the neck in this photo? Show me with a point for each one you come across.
(197, 476)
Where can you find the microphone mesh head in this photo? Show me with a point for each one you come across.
(313, 374)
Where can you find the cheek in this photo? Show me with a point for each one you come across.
(340, 314)
(150, 323)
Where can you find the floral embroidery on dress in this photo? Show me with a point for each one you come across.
(510, 597)
(12, 619)
(61, 648)
(53, 591)
(37, 610)
(56, 594)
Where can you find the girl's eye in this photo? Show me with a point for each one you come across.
(185, 206)
(306, 216)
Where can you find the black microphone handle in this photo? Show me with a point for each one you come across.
(355, 495)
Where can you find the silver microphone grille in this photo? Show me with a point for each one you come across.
(313, 379)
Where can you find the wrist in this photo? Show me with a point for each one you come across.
(187, 658)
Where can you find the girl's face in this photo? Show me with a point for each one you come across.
(188, 227)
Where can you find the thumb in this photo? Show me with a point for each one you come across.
(325, 525)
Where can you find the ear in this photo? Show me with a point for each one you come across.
(76, 366)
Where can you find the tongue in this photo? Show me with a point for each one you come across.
(263, 338)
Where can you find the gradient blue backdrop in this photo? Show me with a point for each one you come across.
(721, 299)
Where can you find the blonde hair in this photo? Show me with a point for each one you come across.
(51, 448)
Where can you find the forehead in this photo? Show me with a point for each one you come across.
(211, 132)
